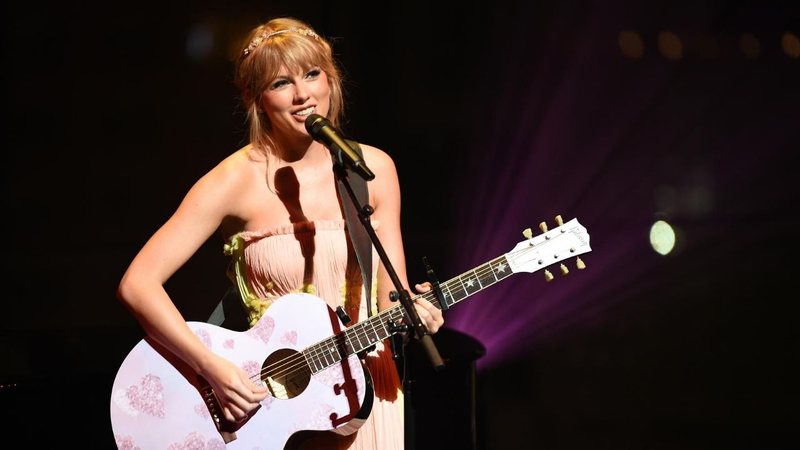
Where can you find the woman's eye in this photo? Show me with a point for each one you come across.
(313, 73)
(278, 83)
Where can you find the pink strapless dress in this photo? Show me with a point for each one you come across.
(315, 258)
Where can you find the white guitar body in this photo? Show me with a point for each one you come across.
(157, 406)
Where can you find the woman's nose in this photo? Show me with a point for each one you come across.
(300, 93)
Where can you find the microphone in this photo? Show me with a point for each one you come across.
(323, 131)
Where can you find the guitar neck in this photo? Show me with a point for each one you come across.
(535, 253)
(471, 282)
(367, 333)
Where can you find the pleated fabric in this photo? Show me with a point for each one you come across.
(316, 258)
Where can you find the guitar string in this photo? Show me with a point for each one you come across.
(358, 331)
(295, 362)
(290, 365)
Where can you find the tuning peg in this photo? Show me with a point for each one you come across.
(559, 220)
(543, 227)
(527, 233)
(564, 269)
(579, 263)
(548, 276)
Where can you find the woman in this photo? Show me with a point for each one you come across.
(274, 202)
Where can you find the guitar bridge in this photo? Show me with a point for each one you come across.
(224, 427)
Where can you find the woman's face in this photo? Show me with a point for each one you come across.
(291, 97)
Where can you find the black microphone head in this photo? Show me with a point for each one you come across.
(314, 122)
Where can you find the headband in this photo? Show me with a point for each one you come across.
(268, 34)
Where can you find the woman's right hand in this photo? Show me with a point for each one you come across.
(236, 392)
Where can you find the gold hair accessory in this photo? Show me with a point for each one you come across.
(268, 34)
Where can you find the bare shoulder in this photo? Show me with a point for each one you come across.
(385, 188)
(216, 194)
(378, 160)
(232, 173)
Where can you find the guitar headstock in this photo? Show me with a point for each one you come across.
(566, 240)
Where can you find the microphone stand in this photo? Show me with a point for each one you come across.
(400, 293)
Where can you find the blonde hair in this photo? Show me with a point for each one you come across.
(282, 42)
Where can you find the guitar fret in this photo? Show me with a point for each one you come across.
(463, 288)
(313, 356)
(314, 359)
(362, 332)
(374, 336)
(365, 334)
(502, 267)
(314, 352)
(326, 355)
(310, 360)
(455, 292)
(318, 364)
(334, 347)
(384, 331)
(446, 287)
(369, 333)
(395, 314)
(346, 348)
(471, 285)
(358, 338)
(387, 320)
(488, 276)
(322, 353)
(341, 343)
(340, 350)
(478, 278)
(355, 330)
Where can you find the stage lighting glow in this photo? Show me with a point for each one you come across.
(631, 44)
(791, 45)
(662, 237)
(199, 42)
(670, 45)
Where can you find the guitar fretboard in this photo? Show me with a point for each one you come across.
(367, 333)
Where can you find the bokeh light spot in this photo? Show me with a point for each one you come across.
(631, 44)
(669, 44)
(791, 45)
(199, 42)
(662, 237)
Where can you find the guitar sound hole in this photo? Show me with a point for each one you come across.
(285, 373)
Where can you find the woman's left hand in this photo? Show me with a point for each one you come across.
(430, 315)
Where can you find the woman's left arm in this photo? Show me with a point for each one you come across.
(384, 193)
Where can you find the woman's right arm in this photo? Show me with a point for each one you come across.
(142, 291)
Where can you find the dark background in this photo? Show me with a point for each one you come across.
(498, 115)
